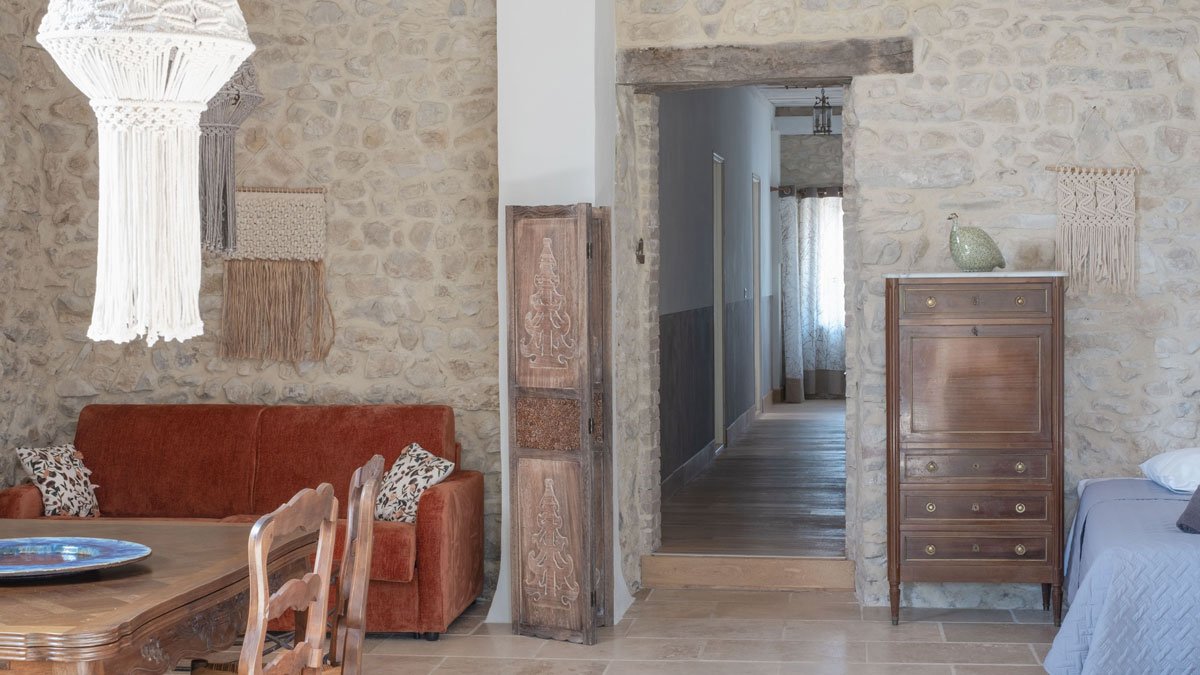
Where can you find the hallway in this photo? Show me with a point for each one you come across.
(778, 491)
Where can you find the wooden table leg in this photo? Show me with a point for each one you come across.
(1045, 597)
(894, 600)
(1057, 595)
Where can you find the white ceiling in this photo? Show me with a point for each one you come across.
(782, 97)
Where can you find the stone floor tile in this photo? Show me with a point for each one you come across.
(707, 628)
(691, 668)
(1032, 616)
(792, 610)
(501, 646)
(707, 595)
(999, 632)
(479, 666)
(825, 597)
(784, 650)
(626, 649)
(1040, 651)
(862, 631)
(938, 614)
(672, 610)
(960, 652)
(842, 668)
(390, 664)
(999, 670)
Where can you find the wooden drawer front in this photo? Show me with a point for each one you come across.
(1025, 301)
(1031, 507)
(928, 467)
(1030, 548)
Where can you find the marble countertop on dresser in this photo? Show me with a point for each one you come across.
(972, 275)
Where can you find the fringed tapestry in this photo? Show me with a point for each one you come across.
(1097, 242)
(276, 306)
(218, 129)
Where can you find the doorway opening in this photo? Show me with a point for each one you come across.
(768, 476)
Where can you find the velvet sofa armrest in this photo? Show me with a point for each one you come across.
(450, 547)
(22, 501)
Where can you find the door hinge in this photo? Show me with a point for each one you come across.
(589, 250)
(591, 425)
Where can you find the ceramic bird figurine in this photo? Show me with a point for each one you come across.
(972, 249)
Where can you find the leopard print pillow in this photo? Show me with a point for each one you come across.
(415, 471)
(63, 480)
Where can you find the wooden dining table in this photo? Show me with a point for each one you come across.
(188, 599)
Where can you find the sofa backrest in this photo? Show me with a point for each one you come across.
(173, 461)
(301, 446)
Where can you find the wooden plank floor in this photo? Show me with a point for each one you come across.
(778, 491)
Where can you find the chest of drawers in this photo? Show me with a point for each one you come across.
(975, 432)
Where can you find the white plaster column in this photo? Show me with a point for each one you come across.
(556, 132)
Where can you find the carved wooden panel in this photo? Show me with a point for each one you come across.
(559, 439)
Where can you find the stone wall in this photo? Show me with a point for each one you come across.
(811, 161)
(999, 90)
(391, 107)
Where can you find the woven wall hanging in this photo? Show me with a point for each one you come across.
(1097, 214)
(276, 306)
(218, 129)
(149, 68)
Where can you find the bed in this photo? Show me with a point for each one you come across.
(1133, 585)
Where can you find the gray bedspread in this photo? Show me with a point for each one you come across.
(1133, 585)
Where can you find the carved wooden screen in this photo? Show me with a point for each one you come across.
(560, 480)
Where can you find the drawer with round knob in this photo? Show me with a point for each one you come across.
(1026, 301)
(974, 466)
(945, 547)
(1031, 507)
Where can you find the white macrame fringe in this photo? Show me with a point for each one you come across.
(1097, 236)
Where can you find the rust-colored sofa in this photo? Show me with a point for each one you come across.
(235, 462)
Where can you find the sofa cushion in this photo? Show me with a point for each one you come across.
(62, 479)
(393, 555)
(415, 471)
(304, 446)
(170, 460)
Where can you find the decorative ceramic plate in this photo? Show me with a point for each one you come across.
(37, 557)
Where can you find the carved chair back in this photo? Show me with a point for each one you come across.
(349, 620)
(310, 510)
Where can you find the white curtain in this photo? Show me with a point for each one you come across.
(822, 291)
(793, 358)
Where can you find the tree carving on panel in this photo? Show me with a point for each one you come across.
(549, 343)
(550, 570)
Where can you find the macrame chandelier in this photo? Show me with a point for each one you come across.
(149, 68)
(218, 183)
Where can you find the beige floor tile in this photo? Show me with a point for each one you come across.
(943, 615)
(999, 670)
(473, 666)
(784, 650)
(506, 629)
(823, 596)
(626, 649)
(792, 610)
(502, 646)
(690, 668)
(842, 668)
(999, 632)
(707, 628)
(391, 664)
(465, 624)
(672, 610)
(1032, 616)
(961, 652)
(705, 595)
(1040, 651)
(862, 631)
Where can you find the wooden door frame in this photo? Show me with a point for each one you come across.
(756, 223)
(718, 264)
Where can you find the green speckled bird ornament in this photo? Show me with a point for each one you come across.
(972, 249)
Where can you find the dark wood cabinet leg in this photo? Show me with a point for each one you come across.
(1045, 597)
(894, 598)
(1058, 602)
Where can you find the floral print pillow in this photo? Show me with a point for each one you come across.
(63, 480)
(415, 471)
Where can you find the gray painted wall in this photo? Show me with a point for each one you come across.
(735, 124)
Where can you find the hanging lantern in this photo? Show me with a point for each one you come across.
(218, 185)
(149, 68)
(822, 114)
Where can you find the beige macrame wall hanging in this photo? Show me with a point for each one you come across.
(1097, 214)
(276, 306)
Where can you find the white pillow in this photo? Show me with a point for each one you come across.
(63, 480)
(415, 471)
(1177, 470)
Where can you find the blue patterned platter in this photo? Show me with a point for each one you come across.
(38, 557)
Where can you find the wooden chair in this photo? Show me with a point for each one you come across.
(350, 614)
(310, 510)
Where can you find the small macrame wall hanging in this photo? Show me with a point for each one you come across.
(149, 68)
(218, 183)
(1097, 214)
(275, 305)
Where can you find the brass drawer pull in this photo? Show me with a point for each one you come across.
(930, 549)
(931, 507)
(975, 508)
(974, 548)
(1020, 301)
(1020, 467)
(1020, 508)
(931, 467)
(1020, 549)
(931, 302)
